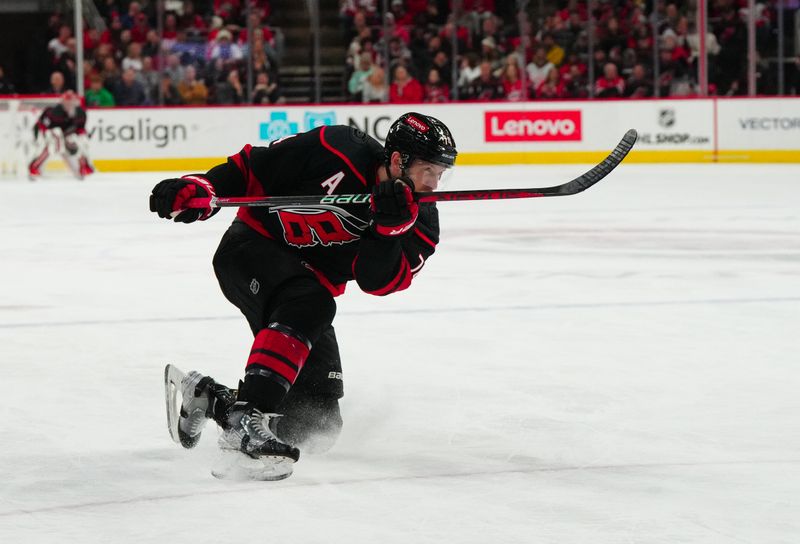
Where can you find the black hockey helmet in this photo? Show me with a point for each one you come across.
(419, 136)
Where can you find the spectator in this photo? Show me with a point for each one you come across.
(405, 89)
(98, 96)
(149, 79)
(552, 88)
(91, 40)
(170, 33)
(174, 69)
(610, 84)
(140, 29)
(470, 71)
(638, 84)
(513, 88)
(223, 48)
(576, 81)
(490, 29)
(361, 73)
(129, 91)
(672, 74)
(128, 19)
(121, 48)
(191, 90)
(133, 59)
(375, 88)
(401, 17)
(491, 54)
(436, 90)
(58, 45)
(538, 68)
(190, 21)
(399, 54)
(57, 84)
(169, 92)
(66, 64)
(485, 87)
(231, 90)
(441, 62)
(612, 36)
(152, 46)
(6, 87)
(555, 53)
(266, 91)
(110, 73)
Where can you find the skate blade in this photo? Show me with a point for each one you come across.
(235, 465)
(172, 386)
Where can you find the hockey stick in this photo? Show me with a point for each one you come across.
(577, 185)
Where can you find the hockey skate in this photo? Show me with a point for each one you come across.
(250, 450)
(84, 167)
(200, 398)
(33, 172)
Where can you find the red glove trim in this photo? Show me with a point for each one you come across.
(397, 230)
(190, 191)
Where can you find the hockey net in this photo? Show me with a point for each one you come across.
(18, 115)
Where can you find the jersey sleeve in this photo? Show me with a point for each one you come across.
(385, 266)
(261, 171)
(44, 123)
(80, 122)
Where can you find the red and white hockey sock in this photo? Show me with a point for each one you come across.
(276, 358)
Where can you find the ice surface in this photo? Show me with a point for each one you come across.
(617, 366)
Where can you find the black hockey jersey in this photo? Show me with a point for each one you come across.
(57, 117)
(335, 242)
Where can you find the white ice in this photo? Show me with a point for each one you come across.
(618, 366)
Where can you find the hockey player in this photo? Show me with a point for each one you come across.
(282, 267)
(62, 129)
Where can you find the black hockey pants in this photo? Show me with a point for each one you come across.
(268, 282)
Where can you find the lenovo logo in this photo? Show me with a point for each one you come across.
(532, 126)
(417, 124)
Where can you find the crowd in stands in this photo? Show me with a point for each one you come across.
(197, 60)
(419, 51)
(513, 58)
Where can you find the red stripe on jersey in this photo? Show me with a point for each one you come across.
(425, 238)
(289, 347)
(275, 365)
(402, 280)
(246, 215)
(335, 289)
(254, 187)
(341, 155)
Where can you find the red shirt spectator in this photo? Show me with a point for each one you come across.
(405, 89)
(435, 89)
(140, 28)
(610, 84)
(512, 84)
(552, 87)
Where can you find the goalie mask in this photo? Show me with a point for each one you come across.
(418, 136)
(70, 102)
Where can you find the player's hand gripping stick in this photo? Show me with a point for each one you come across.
(392, 208)
(170, 199)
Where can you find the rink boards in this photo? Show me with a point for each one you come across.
(685, 130)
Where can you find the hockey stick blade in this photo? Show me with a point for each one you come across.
(577, 185)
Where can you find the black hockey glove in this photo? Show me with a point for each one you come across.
(392, 207)
(169, 198)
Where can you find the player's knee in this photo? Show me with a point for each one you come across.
(313, 425)
(307, 308)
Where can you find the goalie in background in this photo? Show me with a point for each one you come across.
(62, 129)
